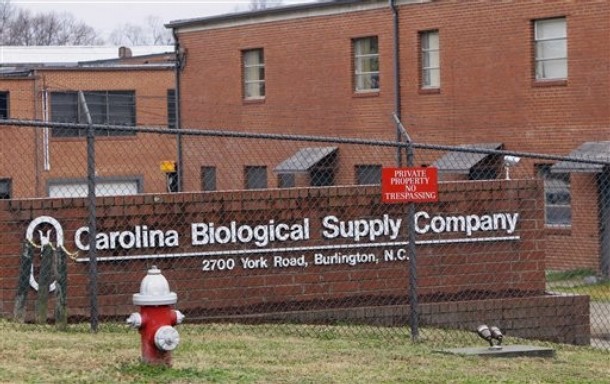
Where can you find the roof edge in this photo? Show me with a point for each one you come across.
(286, 12)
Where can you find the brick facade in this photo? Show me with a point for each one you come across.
(488, 90)
(67, 156)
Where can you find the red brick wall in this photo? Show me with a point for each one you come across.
(446, 269)
(459, 283)
(487, 87)
(18, 147)
(134, 157)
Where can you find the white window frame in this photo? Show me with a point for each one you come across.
(430, 59)
(551, 49)
(366, 64)
(254, 73)
(75, 188)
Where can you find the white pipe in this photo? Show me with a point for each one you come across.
(45, 134)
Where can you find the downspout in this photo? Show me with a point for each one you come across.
(397, 100)
(179, 65)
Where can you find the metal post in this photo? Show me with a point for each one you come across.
(91, 183)
(413, 298)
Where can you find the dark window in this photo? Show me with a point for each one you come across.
(256, 177)
(557, 196)
(483, 173)
(323, 173)
(105, 107)
(486, 169)
(4, 105)
(171, 108)
(322, 178)
(208, 178)
(286, 180)
(5, 188)
(368, 174)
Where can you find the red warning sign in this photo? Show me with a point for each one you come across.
(413, 184)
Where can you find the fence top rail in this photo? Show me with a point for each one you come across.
(283, 137)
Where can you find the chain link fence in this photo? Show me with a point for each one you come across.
(266, 229)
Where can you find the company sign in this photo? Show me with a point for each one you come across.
(267, 244)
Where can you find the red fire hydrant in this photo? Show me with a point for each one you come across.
(156, 319)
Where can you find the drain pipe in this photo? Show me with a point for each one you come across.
(180, 62)
(397, 101)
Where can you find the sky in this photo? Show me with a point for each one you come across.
(105, 15)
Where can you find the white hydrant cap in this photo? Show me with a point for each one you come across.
(154, 290)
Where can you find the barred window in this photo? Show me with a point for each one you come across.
(105, 107)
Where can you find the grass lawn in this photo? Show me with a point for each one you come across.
(273, 354)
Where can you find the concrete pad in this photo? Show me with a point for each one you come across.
(506, 351)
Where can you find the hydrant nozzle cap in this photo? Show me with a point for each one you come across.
(154, 290)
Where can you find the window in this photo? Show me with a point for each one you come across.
(286, 180)
(256, 177)
(171, 108)
(430, 60)
(368, 174)
(105, 107)
(254, 74)
(557, 196)
(4, 105)
(208, 178)
(366, 64)
(79, 188)
(551, 46)
(5, 188)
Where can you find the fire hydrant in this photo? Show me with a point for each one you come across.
(156, 319)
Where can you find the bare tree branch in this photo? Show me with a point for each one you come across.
(21, 27)
(257, 5)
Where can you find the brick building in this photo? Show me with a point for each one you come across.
(520, 76)
(120, 89)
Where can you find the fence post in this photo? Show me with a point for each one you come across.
(91, 182)
(413, 298)
(411, 253)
